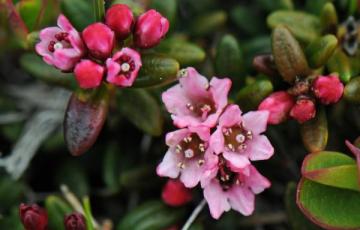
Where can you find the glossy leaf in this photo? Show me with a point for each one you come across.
(157, 70)
(288, 55)
(99, 9)
(79, 12)
(276, 5)
(56, 209)
(84, 118)
(166, 8)
(11, 192)
(314, 133)
(240, 16)
(228, 59)
(111, 169)
(88, 214)
(140, 108)
(352, 91)
(320, 50)
(186, 53)
(136, 7)
(329, 18)
(208, 23)
(329, 207)
(340, 63)
(304, 26)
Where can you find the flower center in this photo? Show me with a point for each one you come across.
(236, 137)
(191, 147)
(62, 41)
(127, 65)
(201, 109)
(225, 176)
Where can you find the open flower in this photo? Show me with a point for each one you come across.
(194, 101)
(239, 136)
(188, 151)
(61, 46)
(231, 185)
(123, 67)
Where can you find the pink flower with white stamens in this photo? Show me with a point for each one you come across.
(239, 136)
(232, 185)
(61, 46)
(195, 101)
(187, 153)
(123, 67)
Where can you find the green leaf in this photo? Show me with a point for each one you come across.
(56, 209)
(314, 133)
(166, 8)
(186, 53)
(208, 23)
(141, 176)
(352, 91)
(228, 59)
(84, 118)
(111, 169)
(288, 55)
(34, 65)
(11, 221)
(276, 5)
(329, 18)
(79, 12)
(297, 220)
(88, 214)
(340, 63)
(320, 50)
(240, 16)
(150, 215)
(99, 9)
(157, 70)
(325, 159)
(305, 27)
(140, 108)
(329, 207)
(251, 95)
(11, 192)
(135, 6)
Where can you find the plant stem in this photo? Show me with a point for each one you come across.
(99, 9)
(194, 214)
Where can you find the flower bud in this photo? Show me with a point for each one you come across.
(303, 110)
(150, 28)
(174, 193)
(75, 221)
(33, 217)
(88, 74)
(120, 19)
(279, 105)
(99, 39)
(328, 89)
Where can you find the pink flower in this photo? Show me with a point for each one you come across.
(328, 89)
(279, 105)
(88, 74)
(175, 194)
(303, 110)
(123, 67)
(150, 28)
(61, 46)
(187, 153)
(194, 101)
(227, 185)
(99, 39)
(120, 19)
(238, 137)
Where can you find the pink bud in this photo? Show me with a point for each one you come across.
(279, 105)
(123, 67)
(328, 89)
(174, 193)
(150, 28)
(75, 221)
(303, 110)
(33, 217)
(120, 19)
(89, 74)
(99, 39)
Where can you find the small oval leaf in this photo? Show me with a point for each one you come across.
(208, 23)
(56, 209)
(340, 63)
(329, 18)
(352, 91)
(319, 51)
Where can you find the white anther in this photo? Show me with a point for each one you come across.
(202, 147)
(231, 147)
(190, 106)
(206, 108)
(181, 165)
(201, 162)
(187, 139)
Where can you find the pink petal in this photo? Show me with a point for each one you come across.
(42, 49)
(202, 131)
(220, 89)
(168, 167)
(231, 116)
(194, 85)
(256, 181)
(113, 68)
(64, 23)
(237, 161)
(256, 121)
(216, 199)
(48, 34)
(210, 167)
(259, 148)
(191, 174)
(242, 200)
(217, 141)
(175, 100)
(65, 59)
(173, 138)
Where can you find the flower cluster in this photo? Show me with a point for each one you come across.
(215, 143)
(299, 101)
(34, 217)
(93, 54)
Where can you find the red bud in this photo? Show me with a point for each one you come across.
(120, 19)
(328, 89)
(303, 110)
(33, 217)
(89, 74)
(75, 221)
(174, 193)
(99, 39)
